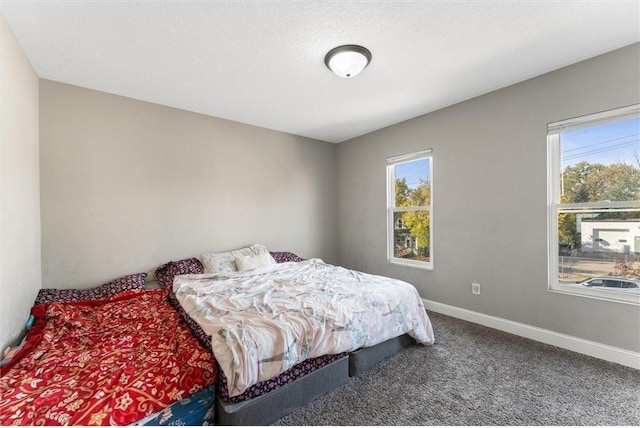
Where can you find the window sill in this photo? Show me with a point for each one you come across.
(411, 263)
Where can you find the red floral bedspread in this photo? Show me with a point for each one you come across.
(103, 362)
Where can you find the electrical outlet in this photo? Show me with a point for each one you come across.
(475, 288)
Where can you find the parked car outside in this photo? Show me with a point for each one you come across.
(613, 283)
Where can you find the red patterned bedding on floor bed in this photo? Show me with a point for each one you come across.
(103, 362)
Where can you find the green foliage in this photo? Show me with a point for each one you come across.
(402, 192)
(586, 182)
(567, 228)
(418, 222)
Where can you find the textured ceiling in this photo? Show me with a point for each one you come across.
(262, 62)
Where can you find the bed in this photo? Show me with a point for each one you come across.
(125, 357)
(262, 378)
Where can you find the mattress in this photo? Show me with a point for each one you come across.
(265, 321)
(267, 401)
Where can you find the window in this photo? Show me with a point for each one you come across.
(594, 205)
(409, 206)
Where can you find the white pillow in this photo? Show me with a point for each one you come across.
(253, 261)
(225, 262)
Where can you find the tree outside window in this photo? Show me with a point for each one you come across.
(409, 209)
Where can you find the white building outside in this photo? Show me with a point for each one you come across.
(610, 236)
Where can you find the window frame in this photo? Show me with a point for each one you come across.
(392, 209)
(555, 207)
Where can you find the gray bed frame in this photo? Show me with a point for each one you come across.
(270, 407)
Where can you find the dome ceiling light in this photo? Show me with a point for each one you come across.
(347, 60)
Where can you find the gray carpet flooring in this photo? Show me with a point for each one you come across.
(474, 375)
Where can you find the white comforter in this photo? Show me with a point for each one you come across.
(265, 321)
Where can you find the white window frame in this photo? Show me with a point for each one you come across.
(554, 178)
(391, 208)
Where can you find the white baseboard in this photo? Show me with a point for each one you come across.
(593, 349)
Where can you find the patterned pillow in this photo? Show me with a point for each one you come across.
(285, 256)
(166, 272)
(130, 282)
(225, 262)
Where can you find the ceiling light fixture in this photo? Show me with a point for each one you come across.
(348, 60)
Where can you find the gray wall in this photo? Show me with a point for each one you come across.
(127, 185)
(490, 199)
(19, 188)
